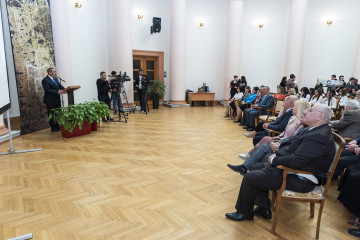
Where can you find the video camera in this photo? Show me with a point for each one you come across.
(119, 79)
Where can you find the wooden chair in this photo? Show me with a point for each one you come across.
(338, 109)
(272, 113)
(318, 195)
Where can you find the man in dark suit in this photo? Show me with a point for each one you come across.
(312, 151)
(267, 101)
(141, 86)
(349, 125)
(52, 89)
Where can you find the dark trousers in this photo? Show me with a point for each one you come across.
(142, 100)
(343, 163)
(107, 100)
(259, 136)
(256, 184)
(52, 124)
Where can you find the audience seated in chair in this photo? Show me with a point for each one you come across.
(350, 156)
(267, 101)
(231, 105)
(246, 102)
(267, 145)
(312, 151)
(278, 125)
(349, 125)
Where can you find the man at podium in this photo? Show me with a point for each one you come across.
(52, 90)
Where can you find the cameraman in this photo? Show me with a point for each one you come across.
(115, 88)
(103, 88)
(141, 87)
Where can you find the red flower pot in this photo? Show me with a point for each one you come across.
(86, 129)
(94, 126)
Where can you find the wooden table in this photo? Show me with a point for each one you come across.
(202, 96)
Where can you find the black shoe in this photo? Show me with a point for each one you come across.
(354, 232)
(246, 127)
(239, 168)
(250, 129)
(104, 120)
(110, 119)
(236, 216)
(236, 121)
(262, 212)
(243, 124)
(54, 130)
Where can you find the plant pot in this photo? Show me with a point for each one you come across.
(86, 129)
(94, 126)
(155, 101)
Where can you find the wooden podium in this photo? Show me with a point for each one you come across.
(70, 92)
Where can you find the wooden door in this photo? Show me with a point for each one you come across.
(149, 65)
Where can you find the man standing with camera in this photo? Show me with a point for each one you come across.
(114, 94)
(103, 88)
(141, 86)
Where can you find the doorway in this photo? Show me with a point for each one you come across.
(153, 65)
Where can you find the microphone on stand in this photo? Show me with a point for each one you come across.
(61, 79)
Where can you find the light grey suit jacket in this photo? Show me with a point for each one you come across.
(349, 125)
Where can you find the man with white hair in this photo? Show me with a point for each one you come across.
(312, 151)
(349, 125)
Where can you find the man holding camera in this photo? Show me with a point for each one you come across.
(141, 87)
(103, 88)
(115, 88)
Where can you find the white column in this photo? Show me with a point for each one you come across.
(356, 69)
(3, 129)
(122, 42)
(62, 44)
(177, 51)
(295, 45)
(233, 46)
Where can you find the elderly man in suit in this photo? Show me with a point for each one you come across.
(312, 151)
(52, 90)
(267, 101)
(349, 125)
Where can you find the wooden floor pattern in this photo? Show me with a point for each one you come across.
(160, 176)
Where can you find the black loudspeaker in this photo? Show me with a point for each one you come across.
(156, 27)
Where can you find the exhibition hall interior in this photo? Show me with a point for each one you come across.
(179, 119)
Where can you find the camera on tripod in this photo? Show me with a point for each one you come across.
(119, 79)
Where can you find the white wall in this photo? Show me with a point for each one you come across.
(264, 50)
(144, 40)
(330, 49)
(90, 45)
(206, 46)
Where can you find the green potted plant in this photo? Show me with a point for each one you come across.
(156, 90)
(76, 120)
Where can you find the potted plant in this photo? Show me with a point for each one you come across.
(157, 91)
(77, 120)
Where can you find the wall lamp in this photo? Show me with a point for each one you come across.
(329, 22)
(78, 4)
(202, 23)
(140, 15)
(261, 25)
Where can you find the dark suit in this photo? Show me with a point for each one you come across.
(52, 97)
(349, 125)
(266, 101)
(311, 151)
(142, 92)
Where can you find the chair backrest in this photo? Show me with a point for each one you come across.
(339, 145)
(278, 106)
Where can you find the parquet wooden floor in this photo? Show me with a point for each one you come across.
(160, 176)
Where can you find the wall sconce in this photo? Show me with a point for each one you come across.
(202, 23)
(140, 15)
(78, 4)
(329, 22)
(261, 25)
